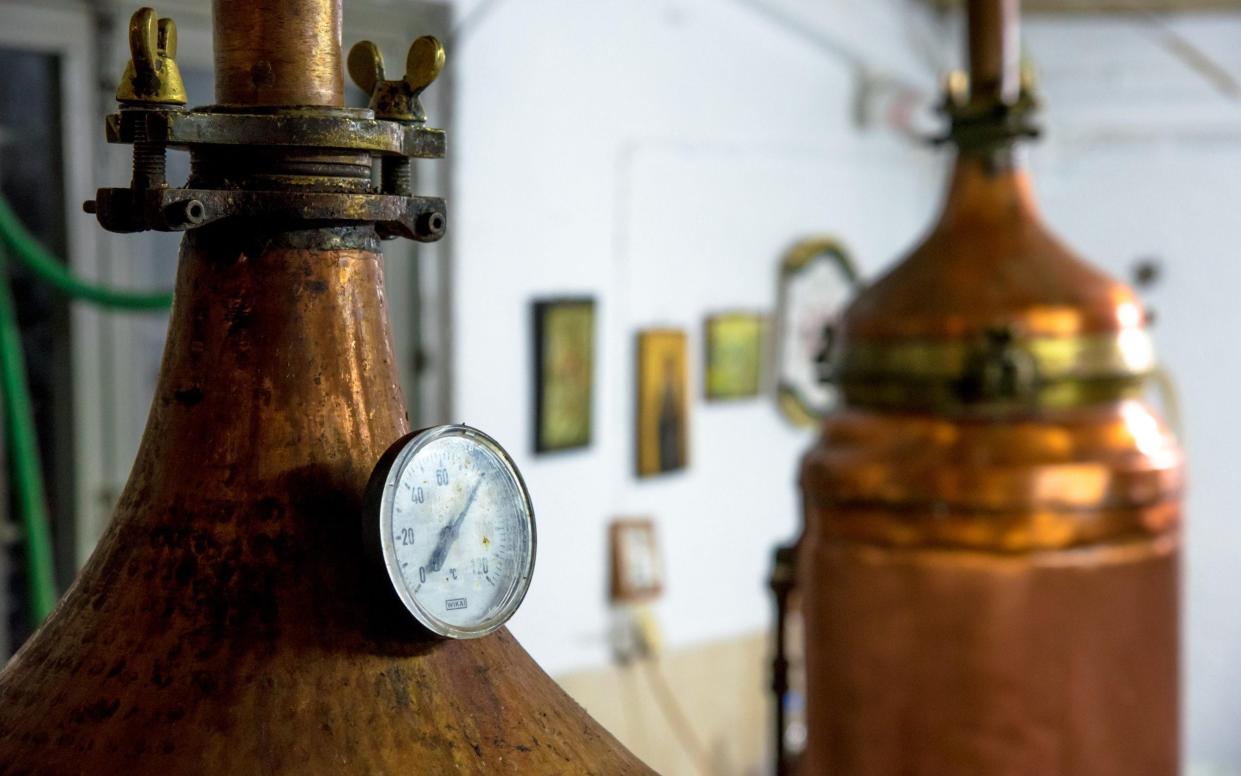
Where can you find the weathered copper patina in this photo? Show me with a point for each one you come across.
(226, 624)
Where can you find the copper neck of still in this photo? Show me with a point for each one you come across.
(278, 52)
(988, 189)
(992, 35)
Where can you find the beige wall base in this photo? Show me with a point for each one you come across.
(721, 688)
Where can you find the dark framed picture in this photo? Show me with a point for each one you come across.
(734, 355)
(663, 402)
(564, 362)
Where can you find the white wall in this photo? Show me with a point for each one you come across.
(658, 155)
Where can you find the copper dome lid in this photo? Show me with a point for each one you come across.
(990, 311)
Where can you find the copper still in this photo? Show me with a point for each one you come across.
(225, 625)
(989, 568)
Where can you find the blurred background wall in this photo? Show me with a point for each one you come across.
(696, 139)
(660, 156)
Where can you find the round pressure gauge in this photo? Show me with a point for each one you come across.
(450, 521)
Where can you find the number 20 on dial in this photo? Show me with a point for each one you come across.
(450, 526)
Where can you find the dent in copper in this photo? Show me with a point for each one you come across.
(278, 52)
(226, 623)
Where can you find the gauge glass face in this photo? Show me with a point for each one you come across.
(459, 541)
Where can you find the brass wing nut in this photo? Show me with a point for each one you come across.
(152, 75)
(397, 100)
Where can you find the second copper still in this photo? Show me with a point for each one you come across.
(989, 565)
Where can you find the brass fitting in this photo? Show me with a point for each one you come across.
(397, 100)
(152, 76)
(261, 158)
(984, 122)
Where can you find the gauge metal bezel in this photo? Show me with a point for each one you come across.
(381, 500)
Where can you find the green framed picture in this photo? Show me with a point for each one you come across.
(734, 355)
(564, 360)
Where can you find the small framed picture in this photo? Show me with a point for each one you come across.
(564, 355)
(663, 402)
(636, 571)
(734, 355)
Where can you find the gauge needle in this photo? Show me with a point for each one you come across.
(448, 533)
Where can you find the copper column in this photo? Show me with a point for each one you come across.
(225, 624)
(989, 564)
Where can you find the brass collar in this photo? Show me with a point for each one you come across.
(998, 372)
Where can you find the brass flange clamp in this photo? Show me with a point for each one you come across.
(980, 121)
(287, 162)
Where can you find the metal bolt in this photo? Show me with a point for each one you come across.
(395, 175)
(430, 224)
(189, 213)
(149, 159)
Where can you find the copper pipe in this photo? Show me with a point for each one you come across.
(278, 52)
(994, 49)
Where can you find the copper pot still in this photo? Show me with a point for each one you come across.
(225, 624)
(989, 568)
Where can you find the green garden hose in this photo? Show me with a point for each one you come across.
(18, 413)
(23, 448)
(54, 272)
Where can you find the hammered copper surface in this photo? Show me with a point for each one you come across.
(226, 624)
